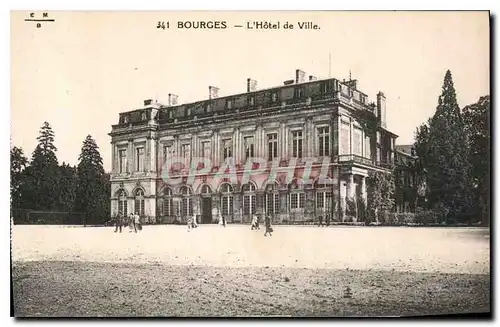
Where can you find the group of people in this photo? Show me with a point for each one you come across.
(133, 222)
(327, 219)
(267, 222)
(193, 223)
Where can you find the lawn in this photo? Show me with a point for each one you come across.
(233, 271)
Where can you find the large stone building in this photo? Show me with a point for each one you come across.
(295, 152)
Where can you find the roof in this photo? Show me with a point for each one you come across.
(405, 148)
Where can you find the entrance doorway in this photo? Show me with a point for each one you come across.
(206, 210)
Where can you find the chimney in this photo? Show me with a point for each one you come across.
(213, 92)
(353, 83)
(381, 109)
(300, 76)
(312, 78)
(172, 99)
(288, 82)
(251, 85)
(148, 102)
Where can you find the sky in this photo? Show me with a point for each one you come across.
(80, 71)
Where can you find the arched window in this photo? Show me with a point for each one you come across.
(122, 203)
(249, 199)
(227, 199)
(187, 202)
(323, 197)
(272, 199)
(168, 204)
(297, 196)
(139, 202)
(205, 190)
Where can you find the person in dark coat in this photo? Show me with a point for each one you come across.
(119, 222)
(327, 219)
(320, 221)
(269, 229)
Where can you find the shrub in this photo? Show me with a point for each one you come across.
(351, 210)
(391, 218)
(427, 217)
(406, 218)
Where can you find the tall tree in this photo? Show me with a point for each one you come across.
(18, 163)
(67, 184)
(447, 162)
(92, 197)
(477, 128)
(422, 152)
(42, 190)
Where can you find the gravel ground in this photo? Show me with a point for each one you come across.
(215, 271)
(73, 289)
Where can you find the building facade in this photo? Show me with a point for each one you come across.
(410, 190)
(295, 152)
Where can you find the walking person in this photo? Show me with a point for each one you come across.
(119, 222)
(254, 222)
(137, 222)
(130, 222)
(320, 221)
(189, 223)
(195, 222)
(327, 219)
(269, 229)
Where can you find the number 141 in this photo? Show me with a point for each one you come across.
(163, 25)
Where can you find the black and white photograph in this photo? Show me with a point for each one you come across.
(248, 164)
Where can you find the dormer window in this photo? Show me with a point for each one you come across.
(125, 120)
(229, 104)
(275, 97)
(143, 115)
(299, 92)
(251, 101)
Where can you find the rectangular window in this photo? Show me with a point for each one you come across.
(323, 201)
(272, 146)
(167, 207)
(139, 157)
(227, 148)
(248, 204)
(323, 141)
(297, 144)
(368, 147)
(229, 104)
(167, 152)
(139, 207)
(186, 151)
(227, 205)
(272, 203)
(249, 147)
(187, 207)
(357, 141)
(205, 149)
(345, 138)
(297, 200)
(123, 160)
(122, 207)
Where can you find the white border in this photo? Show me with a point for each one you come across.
(182, 5)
